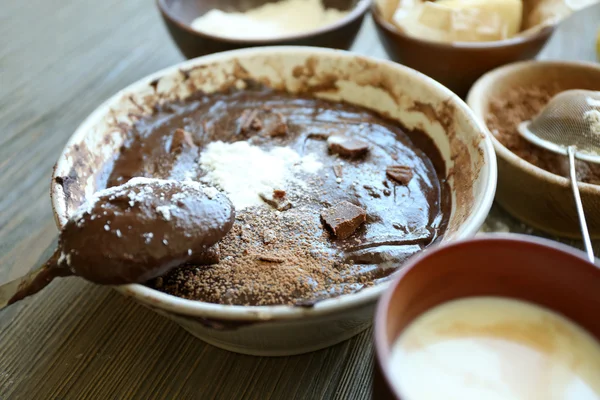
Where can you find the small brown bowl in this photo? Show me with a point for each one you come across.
(521, 267)
(533, 195)
(179, 14)
(455, 65)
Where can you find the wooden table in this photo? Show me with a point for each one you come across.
(58, 60)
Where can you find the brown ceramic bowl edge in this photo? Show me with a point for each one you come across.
(356, 13)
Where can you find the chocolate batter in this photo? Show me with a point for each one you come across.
(142, 229)
(137, 231)
(280, 253)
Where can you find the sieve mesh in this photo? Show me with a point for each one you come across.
(571, 118)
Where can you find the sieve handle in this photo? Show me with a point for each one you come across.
(584, 229)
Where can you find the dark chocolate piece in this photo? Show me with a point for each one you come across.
(338, 171)
(276, 200)
(343, 219)
(182, 140)
(373, 192)
(399, 173)
(249, 122)
(346, 146)
(275, 124)
(270, 123)
(318, 135)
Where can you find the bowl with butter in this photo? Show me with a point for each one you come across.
(202, 27)
(457, 41)
(496, 317)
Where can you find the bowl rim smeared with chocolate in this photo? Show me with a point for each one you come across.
(392, 90)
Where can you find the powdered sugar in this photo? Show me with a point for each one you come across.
(211, 192)
(138, 190)
(148, 237)
(165, 212)
(243, 170)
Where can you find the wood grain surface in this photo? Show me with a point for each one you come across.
(59, 59)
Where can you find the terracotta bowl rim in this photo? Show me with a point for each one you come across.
(543, 33)
(380, 337)
(180, 306)
(478, 97)
(359, 10)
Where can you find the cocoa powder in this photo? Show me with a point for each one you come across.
(520, 104)
(271, 258)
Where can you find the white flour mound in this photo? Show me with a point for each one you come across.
(243, 171)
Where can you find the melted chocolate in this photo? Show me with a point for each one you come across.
(401, 218)
(135, 232)
(142, 229)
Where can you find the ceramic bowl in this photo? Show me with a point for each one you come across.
(455, 65)
(521, 267)
(179, 14)
(531, 194)
(402, 94)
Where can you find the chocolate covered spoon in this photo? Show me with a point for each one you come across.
(132, 233)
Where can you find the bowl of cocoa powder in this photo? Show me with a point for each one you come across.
(532, 182)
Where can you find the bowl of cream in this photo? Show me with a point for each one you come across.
(496, 317)
(204, 27)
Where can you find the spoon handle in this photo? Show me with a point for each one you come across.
(32, 282)
(582, 223)
(8, 290)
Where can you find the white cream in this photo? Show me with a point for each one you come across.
(490, 348)
(271, 20)
(244, 171)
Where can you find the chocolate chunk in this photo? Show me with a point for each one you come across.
(275, 200)
(346, 146)
(338, 171)
(343, 219)
(277, 125)
(318, 135)
(400, 173)
(249, 122)
(181, 140)
(265, 120)
(372, 191)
